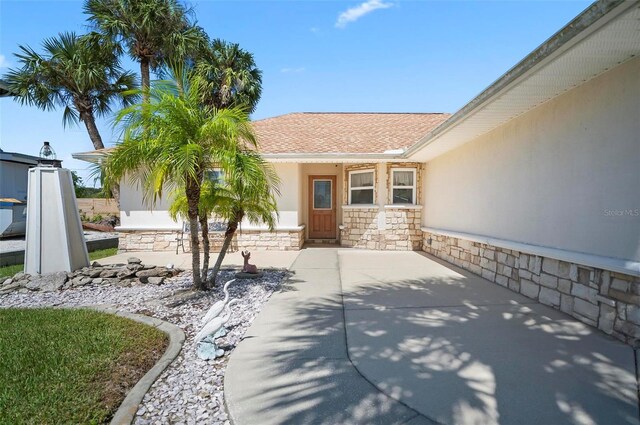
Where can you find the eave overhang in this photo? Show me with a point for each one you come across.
(605, 35)
(97, 156)
(92, 156)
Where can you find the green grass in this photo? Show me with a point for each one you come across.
(11, 270)
(95, 255)
(70, 366)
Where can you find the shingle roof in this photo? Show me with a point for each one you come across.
(311, 132)
(338, 132)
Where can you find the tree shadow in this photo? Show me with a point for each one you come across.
(505, 363)
(414, 358)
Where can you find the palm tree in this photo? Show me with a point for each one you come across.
(81, 74)
(170, 142)
(153, 31)
(232, 76)
(247, 191)
(251, 187)
(211, 194)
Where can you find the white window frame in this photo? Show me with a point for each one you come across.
(313, 203)
(373, 188)
(413, 187)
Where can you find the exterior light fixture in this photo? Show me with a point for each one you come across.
(47, 152)
(48, 156)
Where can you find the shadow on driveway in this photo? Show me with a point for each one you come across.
(423, 342)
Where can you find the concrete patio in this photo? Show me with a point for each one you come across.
(400, 337)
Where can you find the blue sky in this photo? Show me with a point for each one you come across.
(367, 55)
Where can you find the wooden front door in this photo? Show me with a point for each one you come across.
(322, 207)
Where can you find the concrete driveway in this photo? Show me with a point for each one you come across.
(400, 337)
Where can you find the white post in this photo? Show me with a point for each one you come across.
(55, 241)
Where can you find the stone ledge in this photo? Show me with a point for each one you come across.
(403, 207)
(360, 207)
(607, 263)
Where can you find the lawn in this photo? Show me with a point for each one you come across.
(70, 365)
(95, 255)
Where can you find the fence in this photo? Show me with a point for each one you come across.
(91, 207)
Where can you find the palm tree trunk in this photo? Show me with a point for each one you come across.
(115, 192)
(146, 78)
(193, 197)
(228, 237)
(94, 134)
(204, 226)
(90, 122)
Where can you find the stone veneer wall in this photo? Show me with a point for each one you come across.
(607, 300)
(400, 226)
(360, 228)
(400, 233)
(286, 240)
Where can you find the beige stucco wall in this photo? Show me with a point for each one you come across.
(564, 175)
(289, 199)
(135, 213)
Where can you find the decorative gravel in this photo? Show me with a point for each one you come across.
(190, 390)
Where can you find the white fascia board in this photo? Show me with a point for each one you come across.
(94, 157)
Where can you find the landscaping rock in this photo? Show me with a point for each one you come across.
(19, 276)
(125, 273)
(121, 275)
(109, 273)
(47, 282)
(85, 281)
(155, 280)
(134, 260)
(76, 282)
(95, 273)
(9, 287)
(147, 273)
(96, 264)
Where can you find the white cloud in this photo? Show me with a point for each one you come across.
(4, 63)
(292, 70)
(357, 12)
(314, 30)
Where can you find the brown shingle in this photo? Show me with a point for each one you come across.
(309, 132)
(335, 132)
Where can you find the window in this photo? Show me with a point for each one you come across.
(322, 195)
(403, 186)
(361, 187)
(215, 175)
